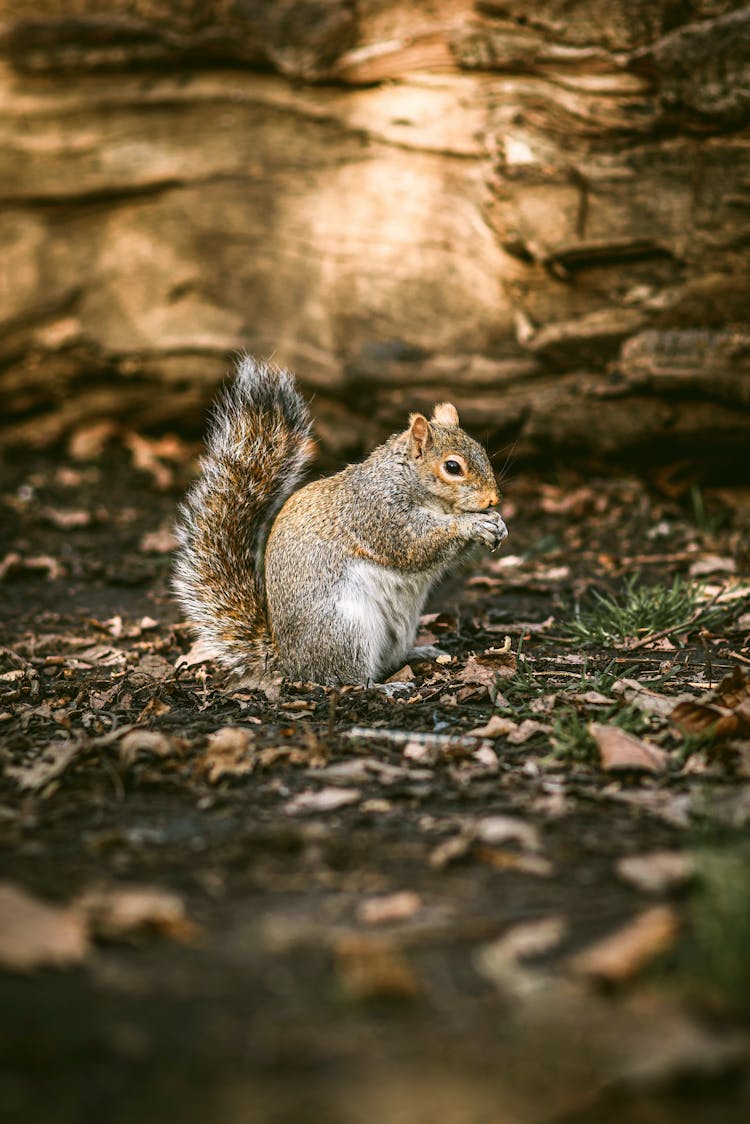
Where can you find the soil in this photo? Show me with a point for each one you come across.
(296, 987)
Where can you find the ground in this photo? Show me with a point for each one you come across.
(508, 886)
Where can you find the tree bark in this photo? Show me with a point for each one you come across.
(537, 211)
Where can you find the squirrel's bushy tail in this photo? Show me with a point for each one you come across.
(258, 445)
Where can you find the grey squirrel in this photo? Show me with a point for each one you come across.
(324, 583)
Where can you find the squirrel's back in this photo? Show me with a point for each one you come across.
(258, 446)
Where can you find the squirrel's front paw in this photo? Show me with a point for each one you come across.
(489, 528)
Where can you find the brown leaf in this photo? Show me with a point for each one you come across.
(88, 442)
(505, 829)
(656, 871)
(67, 520)
(620, 750)
(161, 541)
(389, 907)
(528, 728)
(497, 727)
(370, 967)
(200, 652)
(34, 934)
(502, 859)
(324, 800)
(403, 675)
(476, 674)
(619, 956)
(49, 763)
(528, 939)
(128, 912)
(724, 711)
(139, 742)
(230, 752)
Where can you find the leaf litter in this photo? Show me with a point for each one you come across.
(479, 784)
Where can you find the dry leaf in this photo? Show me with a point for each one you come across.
(389, 907)
(648, 702)
(531, 938)
(67, 520)
(724, 712)
(506, 829)
(620, 750)
(34, 934)
(656, 871)
(619, 956)
(510, 860)
(88, 442)
(371, 967)
(145, 741)
(118, 912)
(161, 541)
(200, 652)
(712, 564)
(403, 675)
(50, 763)
(230, 752)
(456, 847)
(526, 730)
(476, 674)
(324, 800)
(497, 727)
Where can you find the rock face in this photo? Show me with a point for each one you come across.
(539, 211)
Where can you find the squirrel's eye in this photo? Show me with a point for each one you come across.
(453, 468)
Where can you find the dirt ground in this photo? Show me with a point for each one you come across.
(510, 886)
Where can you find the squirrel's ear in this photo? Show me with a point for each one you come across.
(419, 432)
(445, 413)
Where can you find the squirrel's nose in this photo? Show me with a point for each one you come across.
(494, 498)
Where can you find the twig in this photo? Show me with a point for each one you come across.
(403, 737)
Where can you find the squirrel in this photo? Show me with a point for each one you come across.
(326, 582)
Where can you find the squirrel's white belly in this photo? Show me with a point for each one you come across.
(383, 607)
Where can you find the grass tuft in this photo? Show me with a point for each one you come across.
(639, 611)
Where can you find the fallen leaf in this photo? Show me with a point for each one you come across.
(724, 711)
(647, 701)
(370, 967)
(528, 729)
(67, 520)
(502, 859)
(324, 800)
(100, 655)
(674, 808)
(139, 742)
(50, 763)
(403, 675)
(230, 752)
(486, 757)
(200, 652)
(34, 934)
(13, 562)
(118, 912)
(520, 942)
(497, 727)
(476, 674)
(505, 829)
(620, 750)
(712, 564)
(450, 850)
(161, 541)
(656, 871)
(619, 956)
(88, 442)
(149, 455)
(389, 907)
